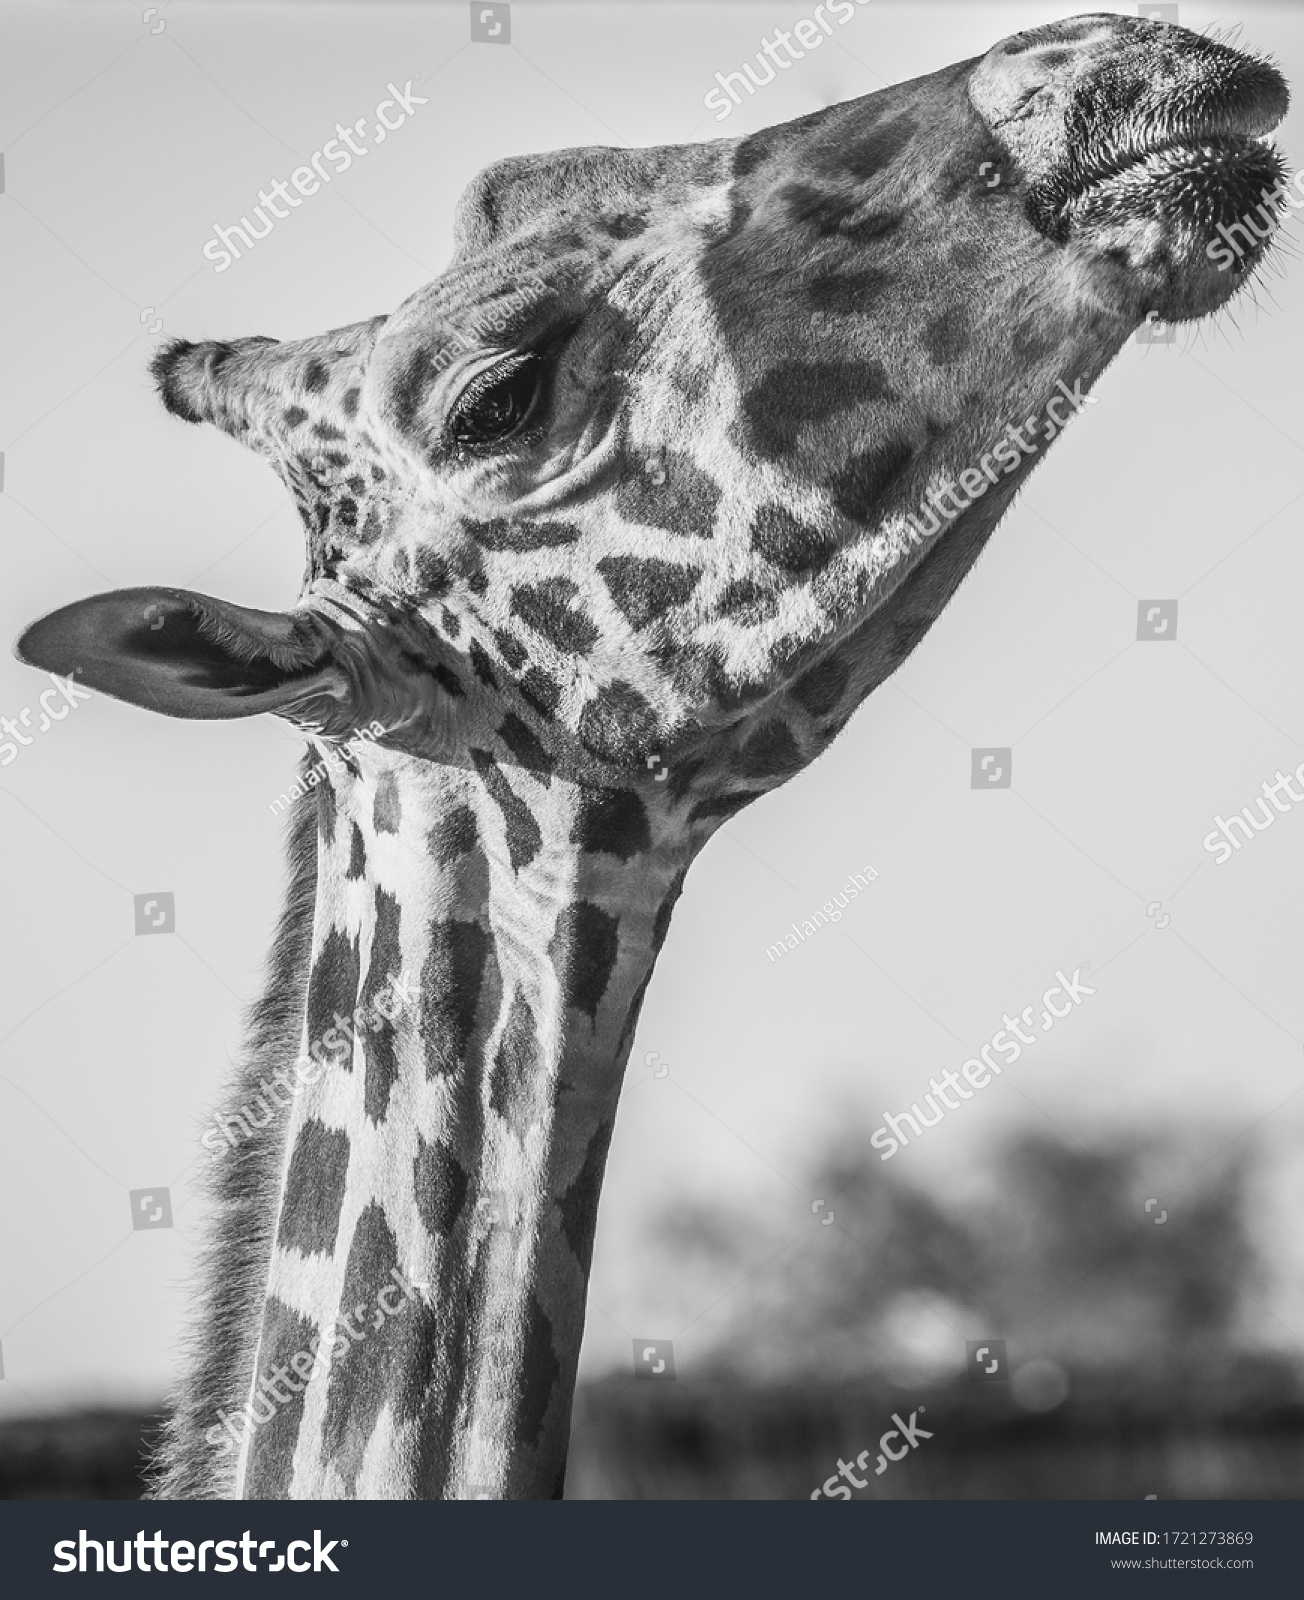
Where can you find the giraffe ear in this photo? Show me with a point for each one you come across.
(188, 655)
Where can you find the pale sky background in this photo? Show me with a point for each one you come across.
(122, 147)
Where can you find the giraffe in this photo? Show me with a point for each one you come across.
(604, 559)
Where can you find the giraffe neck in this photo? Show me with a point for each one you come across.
(439, 1186)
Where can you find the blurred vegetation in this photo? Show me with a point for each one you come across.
(1053, 1250)
(1143, 1358)
(96, 1454)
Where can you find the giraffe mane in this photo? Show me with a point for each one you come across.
(221, 1343)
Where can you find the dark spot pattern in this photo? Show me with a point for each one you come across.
(583, 951)
(387, 811)
(578, 1206)
(431, 574)
(820, 689)
(661, 922)
(631, 1015)
(540, 1372)
(316, 375)
(525, 748)
(611, 822)
(294, 416)
(685, 503)
(746, 602)
(832, 213)
(440, 1183)
(540, 690)
(963, 174)
(332, 988)
(453, 835)
(660, 928)
(683, 775)
(379, 1038)
(524, 840)
(624, 225)
(723, 806)
(510, 648)
(478, 582)
(326, 811)
(789, 543)
(797, 395)
(844, 294)
(357, 854)
(547, 607)
(349, 402)
(314, 1190)
(516, 1062)
(618, 724)
(863, 158)
(857, 488)
(452, 977)
(447, 680)
(645, 589)
(503, 533)
(946, 338)
(367, 1375)
(871, 227)
(481, 665)
(271, 1451)
(771, 752)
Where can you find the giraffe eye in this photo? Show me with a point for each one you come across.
(496, 403)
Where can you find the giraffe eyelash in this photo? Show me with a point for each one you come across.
(465, 437)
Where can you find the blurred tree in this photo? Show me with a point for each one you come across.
(1056, 1254)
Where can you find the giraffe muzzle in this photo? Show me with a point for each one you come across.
(1136, 144)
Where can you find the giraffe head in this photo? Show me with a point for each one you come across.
(633, 480)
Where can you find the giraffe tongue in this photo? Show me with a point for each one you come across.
(189, 655)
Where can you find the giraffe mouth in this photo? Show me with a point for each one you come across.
(1149, 157)
(1162, 204)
